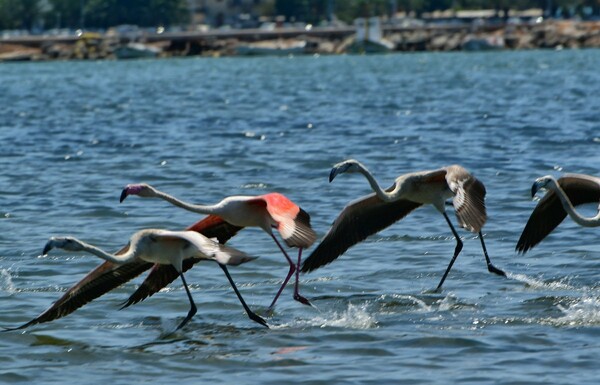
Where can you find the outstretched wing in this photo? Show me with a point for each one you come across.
(161, 275)
(108, 276)
(99, 281)
(358, 220)
(549, 213)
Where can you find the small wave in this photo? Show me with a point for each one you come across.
(354, 317)
(260, 186)
(6, 283)
(580, 312)
(540, 284)
(585, 312)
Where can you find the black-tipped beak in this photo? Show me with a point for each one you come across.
(47, 248)
(535, 188)
(332, 174)
(124, 194)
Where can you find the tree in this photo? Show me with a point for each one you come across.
(145, 13)
(64, 13)
(19, 14)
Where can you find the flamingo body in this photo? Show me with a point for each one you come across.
(160, 276)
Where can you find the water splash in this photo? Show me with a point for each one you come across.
(354, 317)
(585, 312)
(423, 304)
(578, 312)
(6, 283)
(537, 283)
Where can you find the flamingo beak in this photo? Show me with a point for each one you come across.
(332, 174)
(49, 246)
(537, 185)
(124, 194)
(339, 168)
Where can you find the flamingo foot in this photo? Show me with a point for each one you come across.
(302, 300)
(191, 313)
(437, 290)
(256, 318)
(495, 270)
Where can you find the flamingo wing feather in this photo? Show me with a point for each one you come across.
(357, 221)
(99, 281)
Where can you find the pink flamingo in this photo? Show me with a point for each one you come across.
(266, 211)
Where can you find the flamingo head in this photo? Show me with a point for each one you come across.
(141, 189)
(349, 165)
(541, 183)
(65, 243)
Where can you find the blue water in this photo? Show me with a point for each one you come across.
(72, 134)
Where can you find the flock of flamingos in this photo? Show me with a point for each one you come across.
(168, 254)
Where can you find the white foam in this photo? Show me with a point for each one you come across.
(6, 283)
(539, 284)
(354, 317)
(421, 305)
(415, 304)
(585, 312)
(580, 312)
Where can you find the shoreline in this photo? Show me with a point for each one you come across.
(553, 34)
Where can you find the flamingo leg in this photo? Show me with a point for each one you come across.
(459, 246)
(491, 268)
(253, 316)
(297, 295)
(193, 308)
(293, 269)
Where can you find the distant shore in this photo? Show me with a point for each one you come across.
(551, 34)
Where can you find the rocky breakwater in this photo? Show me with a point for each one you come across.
(549, 34)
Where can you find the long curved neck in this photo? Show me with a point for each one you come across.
(200, 209)
(118, 259)
(570, 209)
(386, 197)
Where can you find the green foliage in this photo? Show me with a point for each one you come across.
(347, 10)
(64, 13)
(25, 14)
(145, 13)
(96, 13)
(19, 14)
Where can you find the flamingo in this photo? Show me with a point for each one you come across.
(161, 275)
(268, 211)
(374, 212)
(563, 194)
(162, 247)
(115, 272)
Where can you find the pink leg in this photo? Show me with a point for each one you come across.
(297, 295)
(293, 268)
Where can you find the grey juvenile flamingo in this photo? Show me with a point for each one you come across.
(161, 247)
(268, 211)
(563, 194)
(374, 212)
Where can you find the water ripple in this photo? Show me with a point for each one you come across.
(74, 133)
